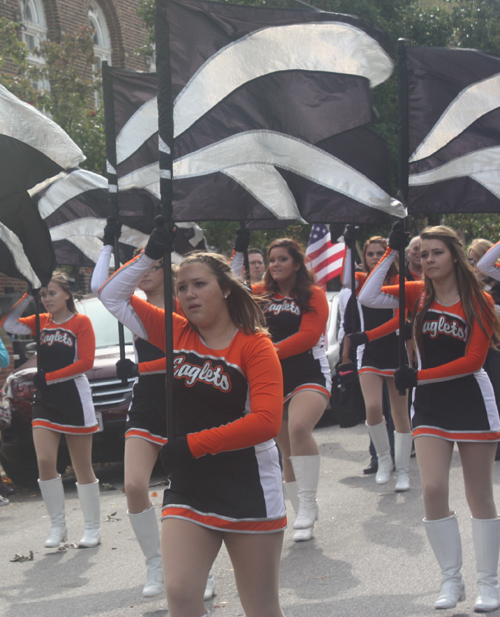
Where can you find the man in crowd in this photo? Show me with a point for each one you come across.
(257, 265)
(413, 265)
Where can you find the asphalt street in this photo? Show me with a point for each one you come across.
(369, 557)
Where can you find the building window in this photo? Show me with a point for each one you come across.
(34, 26)
(102, 40)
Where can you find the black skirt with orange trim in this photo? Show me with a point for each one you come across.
(66, 407)
(238, 491)
(462, 409)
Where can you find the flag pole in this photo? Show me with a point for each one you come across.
(166, 155)
(109, 128)
(403, 132)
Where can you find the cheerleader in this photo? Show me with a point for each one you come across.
(377, 359)
(297, 313)
(63, 404)
(146, 429)
(223, 464)
(454, 324)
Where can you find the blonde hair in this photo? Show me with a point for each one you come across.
(480, 246)
(474, 302)
(243, 310)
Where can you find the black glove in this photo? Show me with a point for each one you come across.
(174, 453)
(350, 235)
(242, 240)
(161, 239)
(126, 368)
(405, 378)
(347, 373)
(112, 230)
(399, 238)
(39, 379)
(358, 338)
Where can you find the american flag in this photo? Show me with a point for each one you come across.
(325, 258)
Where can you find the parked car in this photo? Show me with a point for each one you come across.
(111, 401)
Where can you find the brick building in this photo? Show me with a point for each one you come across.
(118, 33)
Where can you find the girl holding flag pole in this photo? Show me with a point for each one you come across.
(225, 478)
(454, 325)
(146, 422)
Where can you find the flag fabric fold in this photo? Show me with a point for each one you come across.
(33, 149)
(75, 207)
(454, 130)
(253, 93)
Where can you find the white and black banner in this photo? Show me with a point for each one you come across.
(247, 98)
(454, 130)
(32, 149)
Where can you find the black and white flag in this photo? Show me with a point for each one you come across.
(131, 124)
(255, 93)
(32, 149)
(454, 130)
(75, 206)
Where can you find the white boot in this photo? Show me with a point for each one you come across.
(290, 490)
(90, 501)
(402, 452)
(210, 587)
(53, 497)
(145, 526)
(486, 537)
(444, 538)
(380, 439)
(306, 470)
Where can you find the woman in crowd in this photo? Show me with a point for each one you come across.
(454, 324)
(296, 314)
(225, 479)
(63, 404)
(377, 359)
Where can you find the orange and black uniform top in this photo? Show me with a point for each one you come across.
(299, 338)
(380, 356)
(454, 398)
(67, 352)
(228, 403)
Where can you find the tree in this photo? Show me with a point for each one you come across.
(71, 99)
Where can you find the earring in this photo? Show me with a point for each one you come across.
(225, 296)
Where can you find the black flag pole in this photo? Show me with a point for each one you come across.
(354, 304)
(166, 143)
(403, 187)
(110, 134)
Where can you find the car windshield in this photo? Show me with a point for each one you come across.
(105, 325)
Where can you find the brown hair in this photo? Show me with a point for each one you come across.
(393, 270)
(474, 302)
(304, 278)
(244, 311)
(61, 278)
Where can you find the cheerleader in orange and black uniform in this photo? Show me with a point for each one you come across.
(297, 313)
(223, 464)
(377, 359)
(63, 404)
(454, 324)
